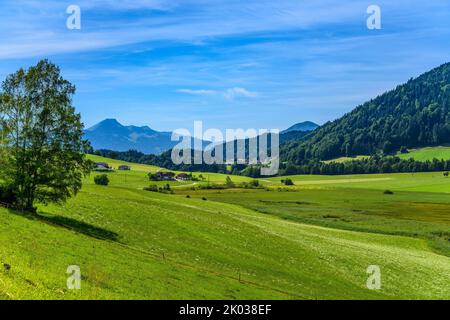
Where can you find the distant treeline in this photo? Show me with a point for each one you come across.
(375, 164)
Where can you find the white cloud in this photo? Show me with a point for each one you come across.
(197, 92)
(229, 94)
(233, 93)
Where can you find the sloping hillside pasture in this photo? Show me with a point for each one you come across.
(346, 159)
(137, 177)
(237, 244)
(421, 154)
(427, 154)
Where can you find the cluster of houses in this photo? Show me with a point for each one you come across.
(103, 166)
(159, 176)
(170, 176)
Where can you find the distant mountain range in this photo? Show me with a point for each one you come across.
(109, 134)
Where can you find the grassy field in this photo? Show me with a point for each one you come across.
(314, 240)
(425, 154)
(345, 159)
(422, 154)
(419, 182)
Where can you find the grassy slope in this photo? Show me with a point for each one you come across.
(167, 246)
(425, 154)
(137, 177)
(422, 154)
(345, 159)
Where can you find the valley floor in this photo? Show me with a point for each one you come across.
(314, 240)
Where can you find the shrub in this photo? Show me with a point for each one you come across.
(254, 183)
(212, 187)
(229, 183)
(446, 174)
(155, 188)
(288, 182)
(152, 188)
(7, 194)
(250, 185)
(101, 180)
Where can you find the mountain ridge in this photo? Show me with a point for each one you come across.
(112, 135)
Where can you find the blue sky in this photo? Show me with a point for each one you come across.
(231, 64)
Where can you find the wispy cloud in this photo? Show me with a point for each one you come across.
(38, 28)
(129, 4)
(229, 94)
(233, 93)
(197, 92)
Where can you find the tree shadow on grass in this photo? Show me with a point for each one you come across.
(71, 224)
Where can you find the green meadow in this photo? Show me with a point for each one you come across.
(313, 240)
(345, 159)
(421, 154)
(429, 153)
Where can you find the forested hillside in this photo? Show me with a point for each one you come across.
(415, 114)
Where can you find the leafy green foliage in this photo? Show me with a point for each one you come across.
(152, 177)
(152, 188)
(254, 183)
(42, 135)
(229, 183)
(7, 194)
(101, 180)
